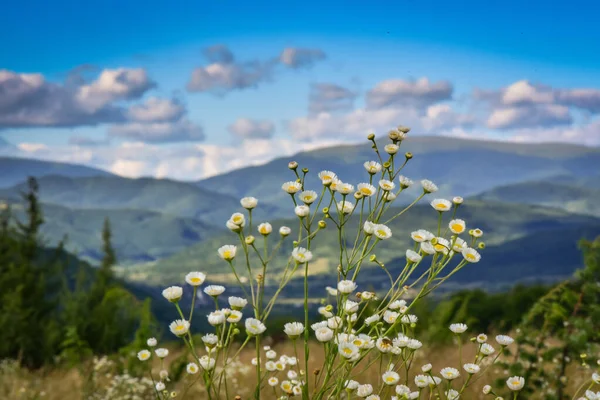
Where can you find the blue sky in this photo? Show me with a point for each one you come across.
(523, 71)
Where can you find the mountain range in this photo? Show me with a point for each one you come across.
(518, 193)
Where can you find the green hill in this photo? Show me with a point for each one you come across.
(502, 223)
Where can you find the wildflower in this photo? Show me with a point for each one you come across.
(248, 202)
(143, 355)
(373, 397)
(405, 182)
(347, 350)
(234, 317)
(504, 340)
(238, 219)
(192, 368)
(459, 245)
(227, 252)
(350, 306)
(404, 129)
(421, 381)
(428, 186)
(389, 196)
(471, 368)
(487, 349)
(426, 368)
(372, 319)
(302, 211)
(471, 255)
(413, 256)
(515, 383)
(265, 228)
(345, 188)
(487, 389)
(477, 233)
(449, 373)
(427, 248)
(179, 327)
(207, 362)
(421, 236)
(372, 167)
(334, 322)
(457, 226)
(364, 390)
(160, 386)
(210, 340)
(254, 326)
(173, 293)
(286, 386)
(327, 177)
(414, 344)
(390, 316)
(293, 329)
(324, 334)
(402, 390)
(441, 245)
(214, 290)
(291, 187)
(195, 278)
(382, 232)
(284, 231)
(386, 185)
(161, 353)
(441, 205)
(273, 381)
(351, 385)
(152, 342)
(216, 318)
(409, 319)
(452, 394)
(369, 228)
(345, 207)
(391, 148)
(301, 255)
(271, 354)
(346, 286)
(481, 338)
(596, 378)
(457, 200)
(458, 328)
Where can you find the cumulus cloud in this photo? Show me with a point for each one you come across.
(224, 73)
(301, 57)
(156, 110)
(443, 116)
(544, 115)
(586, 133)
(329, 97)
(405, 93)
(181, 130)
(245, 128)
(85, 141)
(28, 100)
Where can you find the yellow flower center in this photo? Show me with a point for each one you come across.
(227, 254)
(195, 280)
(366, 191)
(179, 328)
(418, 237)
(308, 198)
(470, 256)
(442, 206)
(458, 228)
(390, 379)
(439, 247)
(381, 232)
(357, 342)
(348, 351)
(263, 229)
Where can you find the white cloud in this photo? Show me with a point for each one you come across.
(245, 128)
(295, 57)
(182, 130)
(397, 92)
(156, 110)
(542, 115)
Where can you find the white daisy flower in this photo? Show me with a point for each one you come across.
(372, 167)
(327, 177)
(402, 390)
(232, 226)
(302, 211)
(347, 350)
(396, 304)
(210, 340)
(207, 362)
(471, 255)
(366, 189)
(457, 226)
(161, 353)
(421, 236)
(320, 324)
(428, 186)
(452, 394)
(234, 317)
(143, 355)
(160, 386)
(459, 245)
(195, 278)
(293, 329)
(442, 245)
(427, 248)
(386, 185)
(369, 228)
(409, 319)
(364, 390)
(308, 196)
(487, 389)
(284, 231)
(458, 328)
(301, 255)
(403, 129)
(237, 303)
(481, 338)
(344, 188)
(273, 381)
(152, 342)
(173, 293)
(331, 291)
(287, 387)
(291, 187)
(351, 385)
(249, 202)
(216, 318)
(325, 312)
(214, 290)
(389, 196)
(324, 334)
(414, 344)
(504, 340)
(471, 368)
(390, 316)
(265, 228)
(179, 327)
(515, 383)
(449, 373)
(372, 319)
(238, 219)
(390, 378)
(227, 252)
(458, 200)
(477, 233)
(345, 207)
(426, 368)
(421, 381)
(346, 286)
(413, 256)
(334, 322)
(192, 368)
(441, 205)
(405, 182)
(254, 327)
(487, 349)
(391, 148)
(350, 306)
(382, 232)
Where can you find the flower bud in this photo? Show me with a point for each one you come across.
(408, 155)
(305, 170)
(404, 129)
(481, 245)
(358, 195)
(386, 165)
(325, 210)
(249, 239)
(295, 243)
(292, 165)
(373, 258)
(371, 136)
(322, 224)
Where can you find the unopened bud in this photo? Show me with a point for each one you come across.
(322, 224)
(249, 239)
(358, 195)
(404, 129)
(481, 245)
(325, 210)
(386, 165)
(295, 243)
(373, 258)
(371, 136)
(316, 372)
(434, 241)
(292, 165)
(408, 155)
(305, 170)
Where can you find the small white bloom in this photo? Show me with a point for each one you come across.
(293, 329)
(366, 189)
(346, 286)
(249, 202)
(143, 355)
(237, 303)
(302, 211)
(254, 326)
(413, 256)
(327, 177)
(344, 188)
(414, 344)
(192, 368)
(271, 354)
(426, 368)
(152, 342)
(301, 255)
(391, 148)
(441, 205)
(428, 186)
(477, 233)
(422, 236)
(504, 340)
(386, 185)
(347, 350)
(390, 378)
(179, 327)
(449, 373)
(487, 349)
(345, 207)
(457, 200)
(232, 226)
(405, 182)
(284, 231)
(457, 226)
(214, 290)
(421, 381)
(390, 316)
(273, 381)
(234, 317)
(265, 228)
(324, 334)
(227, 252)
(515, 383)
(402, 390)
(481, 338)
(369, 228)
(351, 385)
(372, 167)
(238, 219)
(160, 386)
(458, 328)
(325, 312)
(216, 318)
(471, 255)
(372, 319)
(364, 390)
(459, 245)
(308, 196)
(161, 353)
(452, 394)
(471, 368)
(334, 322)
(487, 389)
(441, 245)
(195, 278)
(207, 362)
(350, 306)
(210, 340)
(173, 293)
(427, 248)
(291, 187)
(382, 232)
